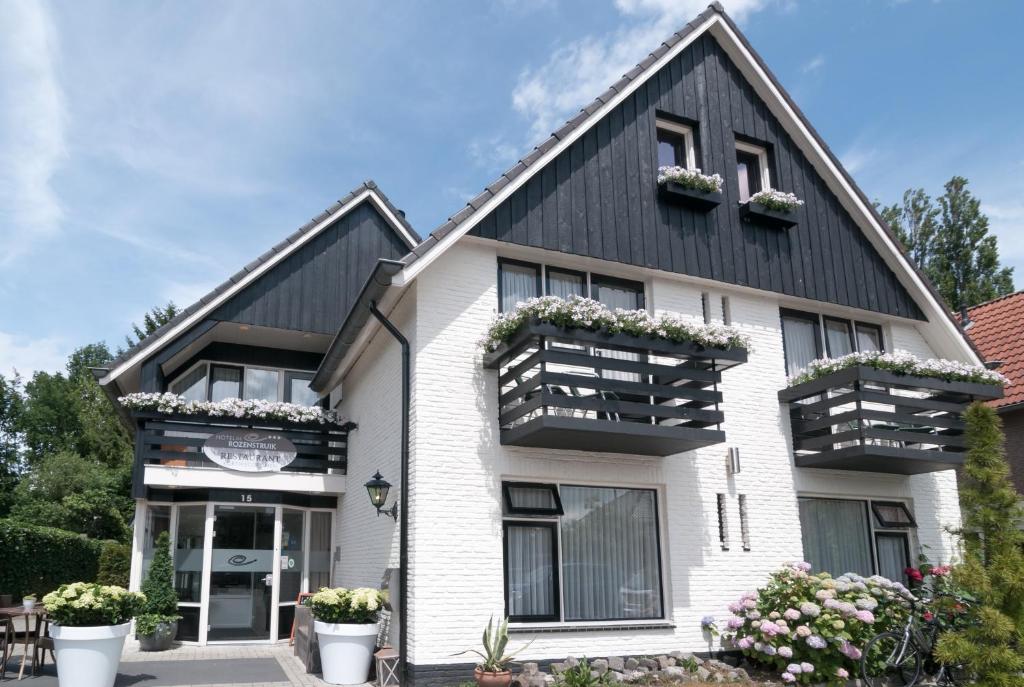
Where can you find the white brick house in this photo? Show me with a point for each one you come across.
(583, 213)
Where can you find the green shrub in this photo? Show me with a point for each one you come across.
(37, 560)
(115, 564)
(161, 600)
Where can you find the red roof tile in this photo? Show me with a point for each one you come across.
(997, 329)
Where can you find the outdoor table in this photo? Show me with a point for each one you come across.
(20, 611)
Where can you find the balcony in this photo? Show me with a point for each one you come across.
(166, 442)
(871, 420)
(574, 389)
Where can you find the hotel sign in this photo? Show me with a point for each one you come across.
(247, 450)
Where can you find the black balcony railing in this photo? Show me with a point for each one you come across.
(177, 440)
(580, 390)
(872, 420)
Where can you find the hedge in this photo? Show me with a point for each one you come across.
(37, 560)
(115, 564)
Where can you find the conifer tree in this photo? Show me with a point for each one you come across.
(991, 645)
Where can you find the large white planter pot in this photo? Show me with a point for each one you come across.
(88, 656)
(346, 651)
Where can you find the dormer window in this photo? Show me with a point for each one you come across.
(208, 381)
(751, 169)
(675, 145)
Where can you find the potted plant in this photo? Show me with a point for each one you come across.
(771, 208)
(493, 670)
(345, 621)
(157, 625)
(689, 187)
(90, 623)
(29, 601)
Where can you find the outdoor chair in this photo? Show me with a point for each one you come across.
(7, 642)
(42, 643)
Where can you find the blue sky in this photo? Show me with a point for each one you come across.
(148, 150)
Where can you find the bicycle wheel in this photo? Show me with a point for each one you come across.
(957, 675)
(888, 663)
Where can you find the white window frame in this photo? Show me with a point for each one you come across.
(688, 140)
(662, 538)
(762, 157)
(281, 383)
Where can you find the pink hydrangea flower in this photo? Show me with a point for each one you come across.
(803, 631)
(865, 617)
(745, 643)
(791, 614)
(788, 677)
(794, 668)
(842, 673)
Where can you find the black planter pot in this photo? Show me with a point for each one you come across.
(161, 639)
(701, 201)
(755, 213)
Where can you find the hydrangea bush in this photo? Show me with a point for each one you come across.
(690, 178)
(233, 407)
(812, 628)
(776, 200)
(585, 313)
(87, 604)
(340, 605)
(903, 363)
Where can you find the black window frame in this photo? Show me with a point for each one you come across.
(851, 331)
(517, 511)
(885, 523)
(867, 325)
(814, 318)
(209, 379)
(536, 267)
(562, 270)
(597, 279)
(893, 534)
(821, 340)
(556, 567)
(289, 375)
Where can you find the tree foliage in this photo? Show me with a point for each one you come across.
(950, 242)
(992, 645)
(158, 316)
(161, 599)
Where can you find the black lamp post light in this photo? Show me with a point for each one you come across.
(378, 488)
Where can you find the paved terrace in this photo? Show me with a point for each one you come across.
(191, 666)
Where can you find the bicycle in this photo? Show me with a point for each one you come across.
(898, 659)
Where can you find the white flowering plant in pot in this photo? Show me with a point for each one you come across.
(902, 363)
(90, 623)
(587, 314)
(250, 409)
(345, 621)
(689, 178)
(779, 201)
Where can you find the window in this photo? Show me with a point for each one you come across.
(518, 281)
(218, 382)
(599, 561)
(675, 145)
(806, 336)
(531, 499)
(839, 537)
(751, 169)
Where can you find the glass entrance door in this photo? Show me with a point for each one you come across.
(241, 573)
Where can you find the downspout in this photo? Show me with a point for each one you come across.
(403, 509)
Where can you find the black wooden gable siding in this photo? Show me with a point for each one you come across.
(313, 288)
(599, 197)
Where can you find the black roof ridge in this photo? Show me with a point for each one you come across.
(367, 185)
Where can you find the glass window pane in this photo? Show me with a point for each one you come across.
(225, 382)
(527, 499)
(529, 557)
(869, 338)
(671, 149)
(297, 389)
(836, 536)
(748, 169)
(291, 555)
(262, 384)
(800, 341)
(192, 386)
(892, 514)
(837, 338)
(565, 284)
(158, 519)
(319, 550)
(616, 293)
(610, 558)
(893, 557)
(188, 552)
(518, 283)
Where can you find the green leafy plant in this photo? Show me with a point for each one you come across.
(349, 606)
(87, 604)
(495, 641)
(29, 597)
(115, 564)
(161, 604)
(581, 675)
(37, 559)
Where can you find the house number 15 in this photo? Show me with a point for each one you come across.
(246, 498)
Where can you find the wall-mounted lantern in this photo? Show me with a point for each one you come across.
(733, 462)
(378, 488)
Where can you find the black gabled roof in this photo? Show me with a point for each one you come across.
(368, 185)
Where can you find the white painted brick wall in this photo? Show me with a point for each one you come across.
(456, 576)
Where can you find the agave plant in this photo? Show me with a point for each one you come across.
(494, 642)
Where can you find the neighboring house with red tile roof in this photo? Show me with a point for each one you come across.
(997, 330)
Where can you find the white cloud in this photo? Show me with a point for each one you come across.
(492, 153)
(858, 157)
(25, 355)
(575, 73)
(32, 127)
(813, 64)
